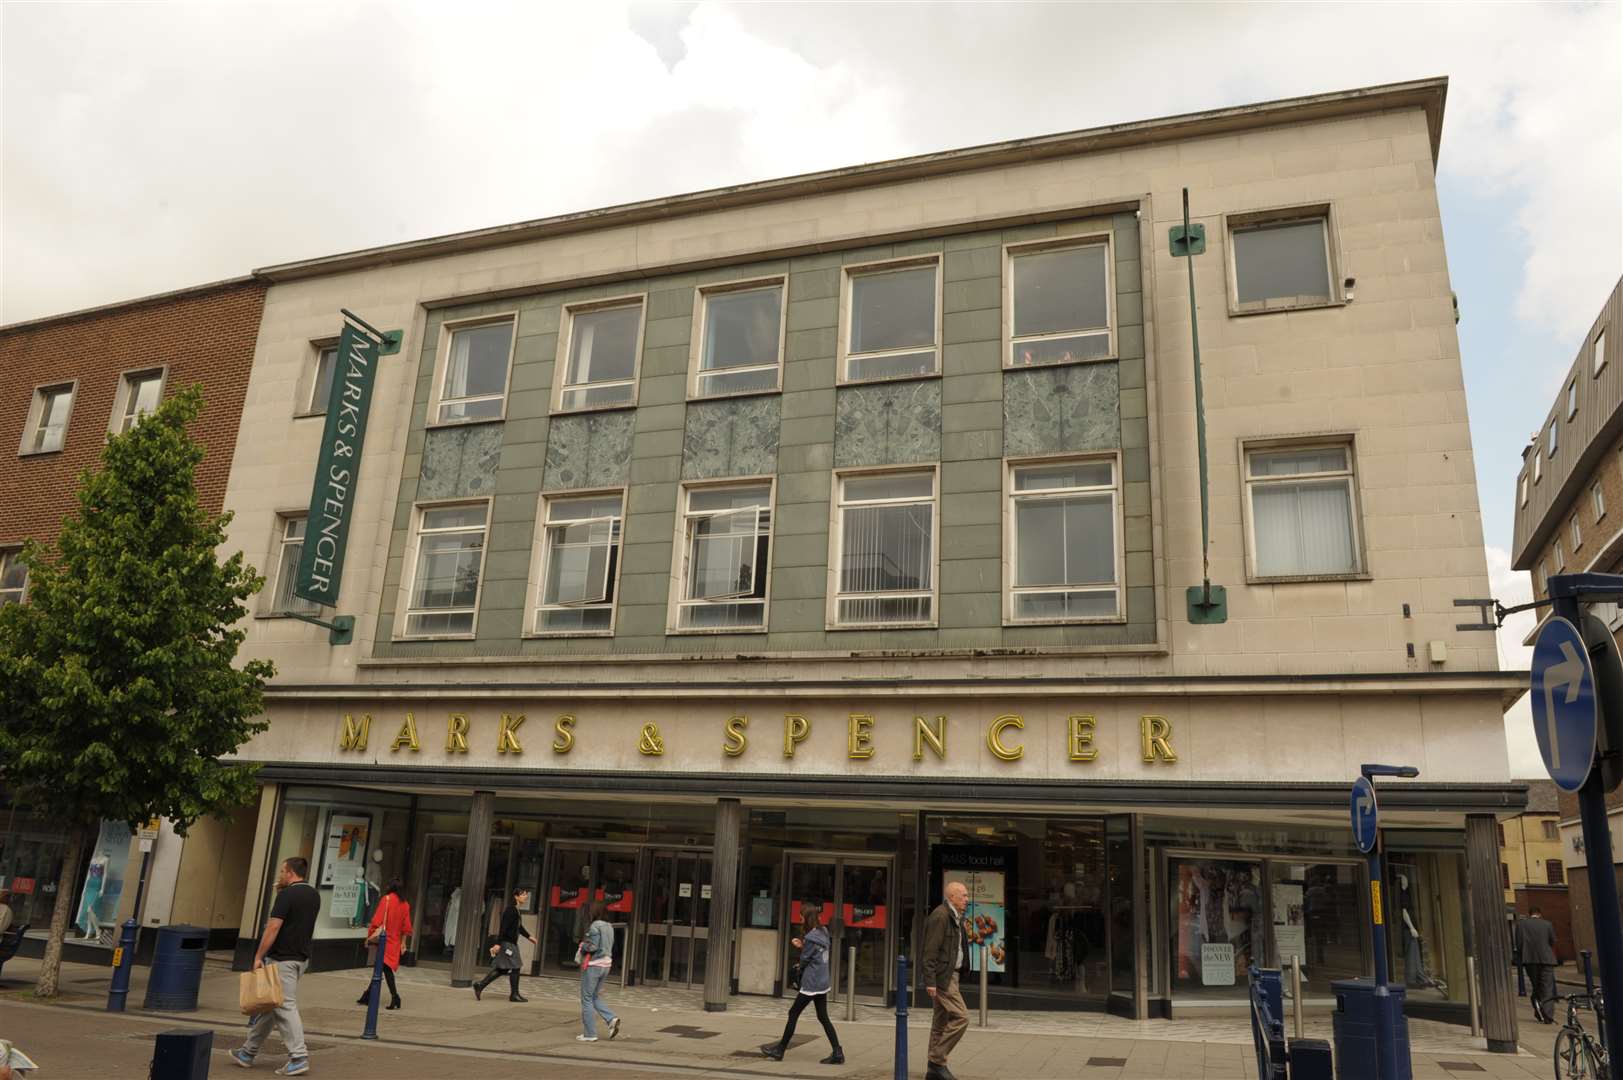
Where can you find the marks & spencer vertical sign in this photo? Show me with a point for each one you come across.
(332, 500)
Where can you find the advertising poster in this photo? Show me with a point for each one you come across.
(1290, 924)
(1219, 910)
(104, 882)
(823, 919)
(986, 919)
(621, 899)
(343, 861)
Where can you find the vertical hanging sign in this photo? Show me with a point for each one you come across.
(332, 500)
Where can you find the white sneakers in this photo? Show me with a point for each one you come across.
(585, 1038)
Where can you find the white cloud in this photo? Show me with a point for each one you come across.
(1512, 587)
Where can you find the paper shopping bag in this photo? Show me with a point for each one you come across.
(261, 990)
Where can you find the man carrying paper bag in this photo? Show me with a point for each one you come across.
(283, 955)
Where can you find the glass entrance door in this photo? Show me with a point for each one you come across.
(675, 928)
(441, 894)
(854, 894)
(576, 875)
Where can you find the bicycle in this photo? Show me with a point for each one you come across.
(1578, 1056)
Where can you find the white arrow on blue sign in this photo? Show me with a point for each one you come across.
(1364, 814)
(1565, 714)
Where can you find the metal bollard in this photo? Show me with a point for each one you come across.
(1296, 996)
(986, 965)
(375, 992)
(1471, 989)
(904, 990)
(851, 983)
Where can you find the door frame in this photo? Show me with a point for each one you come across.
(595, 848)
(645, 924)
(839, 860)
(424, 842)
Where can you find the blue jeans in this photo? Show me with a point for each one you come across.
(591, 1006)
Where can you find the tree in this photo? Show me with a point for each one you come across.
(119, 695)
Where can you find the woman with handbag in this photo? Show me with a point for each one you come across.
(596, 959)
(393, 920)
(504, 956)
(810, 977)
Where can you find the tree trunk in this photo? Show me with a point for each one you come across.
(51, 968)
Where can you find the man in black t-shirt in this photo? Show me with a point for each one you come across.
(286, 944)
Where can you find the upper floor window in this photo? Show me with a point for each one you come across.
(580, 564)
(1551, 437)
(1554, 872)
(1597, 499)
(47, 426)
(740, 348)
(1063, 541)
(1552, 830)
(474, 365)
(600, 347)
(448, 561)
(892, 317)
(1061, 308)
(1281, 260)
(1538, 461)
(725, 548)
(884, 558)
(1577, 534)
(290, 540)
(321, 386)
(1572, 399)
(1303, 520)
(138, 394)
(1523, 486)
(1560, 556)
(13, 577)
(1597, 351)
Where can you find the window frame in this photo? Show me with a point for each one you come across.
(1329, 440)
(836, 540)
(123, 396)
(442, 361)
(540, 553)
(842, 352)
(679, 552)
(1597, 351)
(1552, 440)
(278, 546)
(1572, 400)
(1597, 501)
(404, 610)
(36, 416)
(311, 378)
(701, 322)
(1558, 876)
(566, 333)
(1011, 549)
(1013, 251)
(1523, 485)
(1557, 554)
(1577, 534)
(1283, 215)
(13, 551)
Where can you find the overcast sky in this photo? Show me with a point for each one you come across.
(152, 146)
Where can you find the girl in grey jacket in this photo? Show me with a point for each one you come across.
(813, 944)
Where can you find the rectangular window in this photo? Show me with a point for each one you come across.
(1597, 352)
(287, 568)
(1061, 308)
(1550, 441)
(1504, 875)
(321, 388)
(1552, 830)
(474, 384)
(600, 347)
(1538, 461)
(726, 542)
(1597, 499)
(891, 316)
(1544, 576)
(13, 577)
(580, 563)
(1554, 872)
(1577, 534)
(1572, 399)
(1281, 262)
(741, 345)
(138, 395)
(1523, 485)
(1063, 541)
(450, 552)
(1302, 507)
(49, 429)
(885, 560)
(1560, 557)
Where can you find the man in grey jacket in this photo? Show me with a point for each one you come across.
(946, 953)
(1536, 940)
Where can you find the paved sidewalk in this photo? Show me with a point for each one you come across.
(667, 1033)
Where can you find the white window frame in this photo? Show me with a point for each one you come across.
(121, 421)
(1011, 547)
(1560, 556)
(843, 354)
(1011, 252)
(1343, 441)
(312, 378)
(1283, 215)
(12, 596)
(566, 332)
(403, 610)
(442, 361)
(1577, 534)
(836, 537)
(278, 550)
(32, 427)
(679, 556)
(1597, 351)
(541, 552)
(701, 325)
(1538, 459)
(1597, 501)
(1523, 486)
(1552, 441)
(1572, 399)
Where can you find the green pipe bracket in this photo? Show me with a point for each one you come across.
(1182, 244)
(1207, 610)
(340, 631)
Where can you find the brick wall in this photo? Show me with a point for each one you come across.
(205, 336)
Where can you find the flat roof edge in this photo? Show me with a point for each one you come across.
(134, 302)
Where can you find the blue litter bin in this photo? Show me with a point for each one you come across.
(177, 969)
(1354, 1024)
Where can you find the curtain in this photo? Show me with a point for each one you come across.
(1303, 528)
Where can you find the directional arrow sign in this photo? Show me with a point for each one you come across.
(1364, 824)
(1565, 717)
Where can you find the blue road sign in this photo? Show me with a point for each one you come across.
(1364, 823)
(1565, 715)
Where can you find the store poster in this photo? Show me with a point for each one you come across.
(103, 886)
(986, 920)
(343, 861)
(823, 919)
(1219, 908)
(1290, 923)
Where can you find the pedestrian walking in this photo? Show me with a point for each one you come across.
(285, 946)
(1536, 937)
(946, 955)
(504, 955)
(393, 920)
(812, 985)
(596, 959)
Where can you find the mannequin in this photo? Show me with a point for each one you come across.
(453, 911)
(95, 878)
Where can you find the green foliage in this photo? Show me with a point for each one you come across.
(118, 692)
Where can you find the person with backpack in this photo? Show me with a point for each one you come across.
(393, 920)
(812, 985)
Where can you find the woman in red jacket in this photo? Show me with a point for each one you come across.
(393, 919)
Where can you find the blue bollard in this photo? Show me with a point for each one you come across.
(123, 962)
(904, 990)
(375, 992)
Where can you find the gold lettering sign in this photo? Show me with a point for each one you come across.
(1155, 733)
(456, 734)
(1082, 748)
(994, 738)
(650, 743)
(859, 736)
(936, 737)
(407, 736)
(795, 730)
(733, 731)
(565, 727)
(355, 732)
(507, 735)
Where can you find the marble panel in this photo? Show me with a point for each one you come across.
(1063, 409)
(731, 437)
(888, 424)
(589, 451)
(459, 462)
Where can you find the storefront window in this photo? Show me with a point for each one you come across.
(1318, 915)
(1218, 923)
(1428, 923)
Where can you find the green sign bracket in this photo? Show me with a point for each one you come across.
(391, 342)
(341, 630)
(1187, 240)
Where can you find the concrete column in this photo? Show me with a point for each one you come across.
(1488, 932)
(470, 955)
(718, 968)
